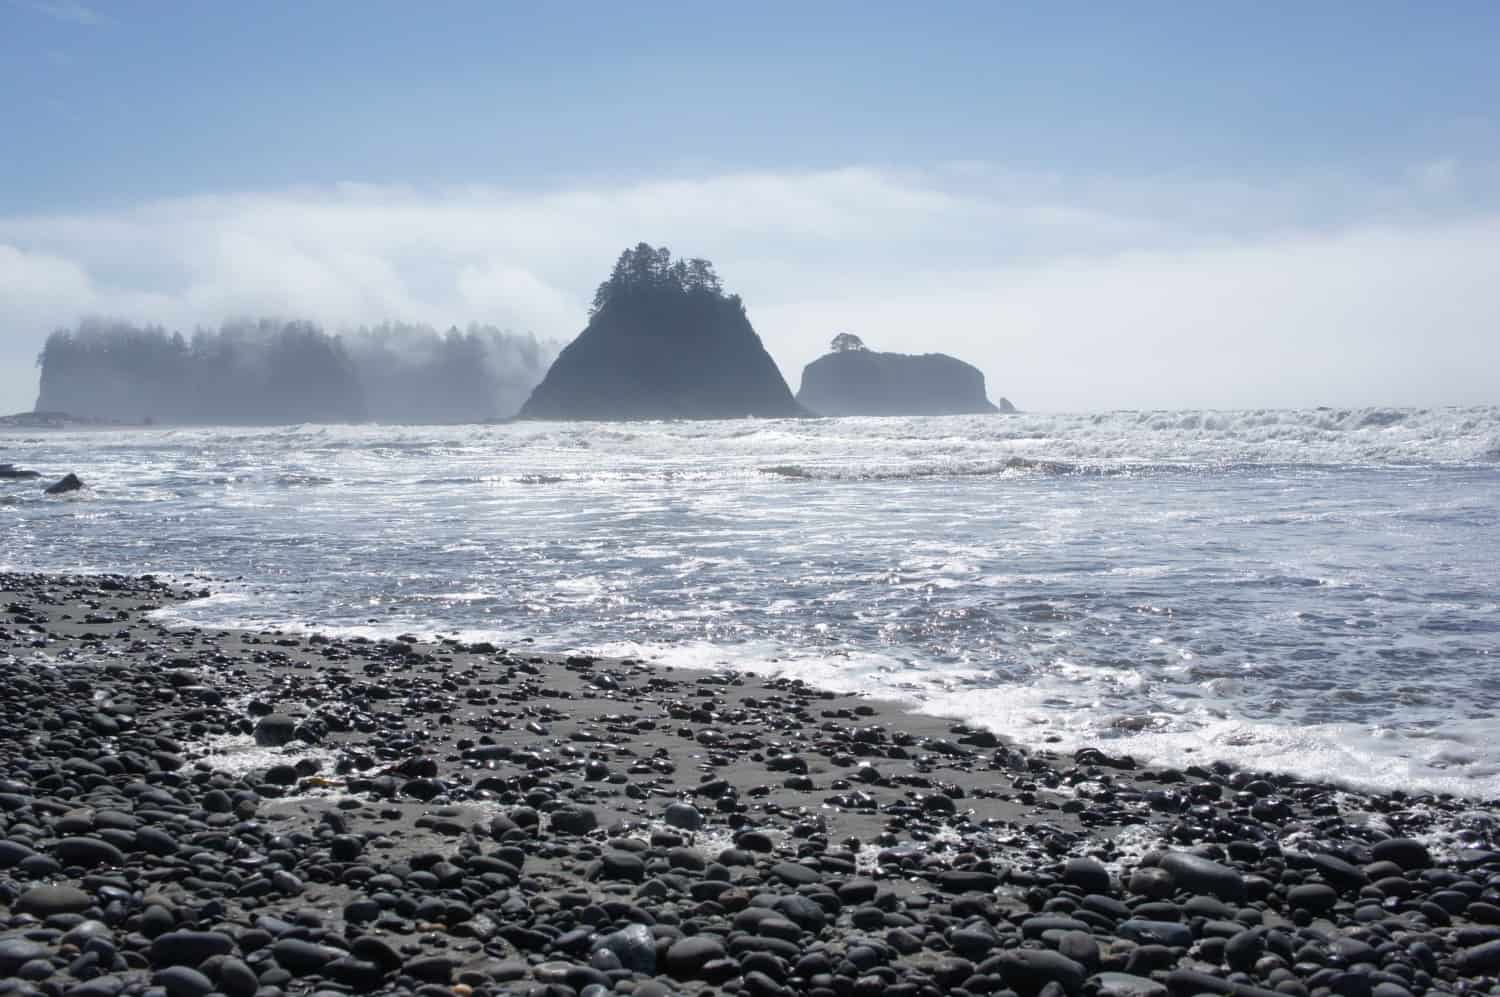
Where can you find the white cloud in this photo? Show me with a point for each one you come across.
(1071, 292)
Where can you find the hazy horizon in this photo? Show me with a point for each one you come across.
(1175, 208)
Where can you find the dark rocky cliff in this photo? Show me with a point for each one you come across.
(664, 342)
(861, 382)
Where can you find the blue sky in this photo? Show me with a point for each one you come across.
(1009, 164)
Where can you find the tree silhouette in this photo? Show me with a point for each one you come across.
(647, 270)
(846, 342)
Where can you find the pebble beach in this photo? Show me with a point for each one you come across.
(191, 812)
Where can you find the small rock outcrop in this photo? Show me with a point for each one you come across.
(853, 380)
(67, 483)
(663, 342)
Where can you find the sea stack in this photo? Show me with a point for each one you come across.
(854, 380)
(663, 342)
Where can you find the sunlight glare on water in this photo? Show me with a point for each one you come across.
(1309, 591)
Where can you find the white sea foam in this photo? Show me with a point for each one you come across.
(1310, 591)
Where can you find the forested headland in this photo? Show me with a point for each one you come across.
(272, 372)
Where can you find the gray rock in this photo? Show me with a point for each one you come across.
(45, 901)
(17, 952)
(572, 820)
(687, 956)
(237, 979)
(108, 985)
(1088, 875)
(1314, 897)
(1123, 985)
(274, 730)
(1159, 932)
(967, 881)
(300, 957)
(1405, 852)
(67, 483)
(1027, 971)
(795, 873)
(1152, 883)
(88, 852)
(12, 853)
(622, 865)
(633, 945)
(1200, 875)
(683, 815)
(184, 981)
(1481, 958)
(432, 969)
(189, 948)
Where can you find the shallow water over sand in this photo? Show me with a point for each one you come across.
(1316, 592)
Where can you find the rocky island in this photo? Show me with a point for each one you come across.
(663, 342)
(853, 380)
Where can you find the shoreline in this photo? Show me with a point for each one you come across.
(490, 820)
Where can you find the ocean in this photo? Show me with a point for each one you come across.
(1315, 592)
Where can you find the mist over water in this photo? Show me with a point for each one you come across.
(1309, 591)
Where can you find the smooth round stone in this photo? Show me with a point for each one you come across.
(1405, 852)
(432, 968)
(1081, 947)
(46, 901)
(974, 942)
(300, 957)
(12, 853)
(156, 921)
(1088, 875)
(802, 911)
(753, 841)
(1157, 932)
(633, 946)
(17, 952)
(683, 815)
(1126, 985)
(1341, 874)
(100, 986)
(1197, 874)
(189, 948)
(967, 881)
(1243, 950)
(795, 873)
(622, 865)
(1314, 897)
(184, 981)
(1481, 958)
(572, 820)
(360, 975)
(1028, 971)
(858, 891)
(377, 950)
(274, 730)
(687, 957)
(687, 858)
(237, 979)
(346, 847)
(1151, 882)
(361, 911)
